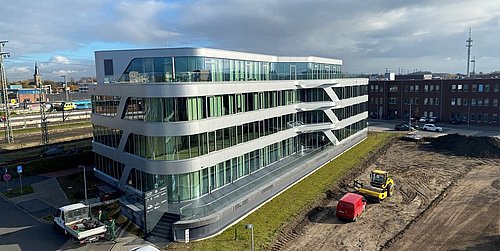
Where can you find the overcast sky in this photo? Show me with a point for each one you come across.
(368, 36)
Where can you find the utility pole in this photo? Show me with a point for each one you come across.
(9, 136)
(43, 110)
(469, 44)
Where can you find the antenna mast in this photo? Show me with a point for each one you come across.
(9, 136)
(469, 44)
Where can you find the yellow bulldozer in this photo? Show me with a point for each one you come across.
(381, 186)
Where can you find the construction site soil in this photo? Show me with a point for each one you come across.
(447, 198)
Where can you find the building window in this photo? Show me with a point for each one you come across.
(426, 88)
(416, 88)
(480, 88)
(495, 102)
(108, 67)
(479, 102)
(453, 88)
(465, 103)
(472, 117)
(496, 87)
(494, 118)
(426, 101)
(453, 101)
(485, 117)
(381, 101)
(474, 88)
(393, 101)
(466, 88)
(393, 88)
(486, 102)
(486, 88)
(473, 102)
(459, 88)
(459, 101)
(431, 88)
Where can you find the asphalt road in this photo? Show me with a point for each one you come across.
(20, 231)
(472, 130)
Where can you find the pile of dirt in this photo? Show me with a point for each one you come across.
(469, 146)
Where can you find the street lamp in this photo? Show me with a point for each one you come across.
(64, 86)
(409, 118)
(85, 183)
(250, 226)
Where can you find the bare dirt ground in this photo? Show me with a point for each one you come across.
(443, 201)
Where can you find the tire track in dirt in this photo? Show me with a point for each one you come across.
(290, 232)
(467, 201)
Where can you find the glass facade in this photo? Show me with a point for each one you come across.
(188, 186)
(107, 136)
(192, 146)
(349, 130)
(349, 111)
(206, 69)
(195, 108)
(184, 186)
(109, 166)
(105, 105)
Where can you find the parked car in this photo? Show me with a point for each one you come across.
(432, 127)
(350, 206)
(423, 119)
(432, 120)
(454, 121)
(401, 127)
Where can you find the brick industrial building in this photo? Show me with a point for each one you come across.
(473, 101)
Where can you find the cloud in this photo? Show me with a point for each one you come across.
(59, 60)
(367, 35)
(18, 70)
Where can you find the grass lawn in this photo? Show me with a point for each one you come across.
(270, 218)
(67, 125)
(48, 218)
(17, 192)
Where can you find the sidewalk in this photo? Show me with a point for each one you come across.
(126, 241)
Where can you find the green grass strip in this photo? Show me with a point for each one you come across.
(270, 218)
(68, 125)
(17, 192)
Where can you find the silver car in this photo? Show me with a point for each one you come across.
(432, 127)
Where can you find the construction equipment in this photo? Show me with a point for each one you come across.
(381, 186)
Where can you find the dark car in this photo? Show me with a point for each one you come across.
(402, 127)
(454, 121)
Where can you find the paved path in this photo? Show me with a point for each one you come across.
(48, 191)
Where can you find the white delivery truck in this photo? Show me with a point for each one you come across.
(74, 220)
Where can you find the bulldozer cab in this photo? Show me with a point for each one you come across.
(378, 178)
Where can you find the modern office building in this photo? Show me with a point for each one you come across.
(468, 101)
(197, 138)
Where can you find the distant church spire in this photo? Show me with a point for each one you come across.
(37, 77)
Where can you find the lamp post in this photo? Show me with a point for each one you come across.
(64, 86)
(85, 183)
(250, 226)
(409, 119)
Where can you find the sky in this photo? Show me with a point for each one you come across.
(369, 36)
